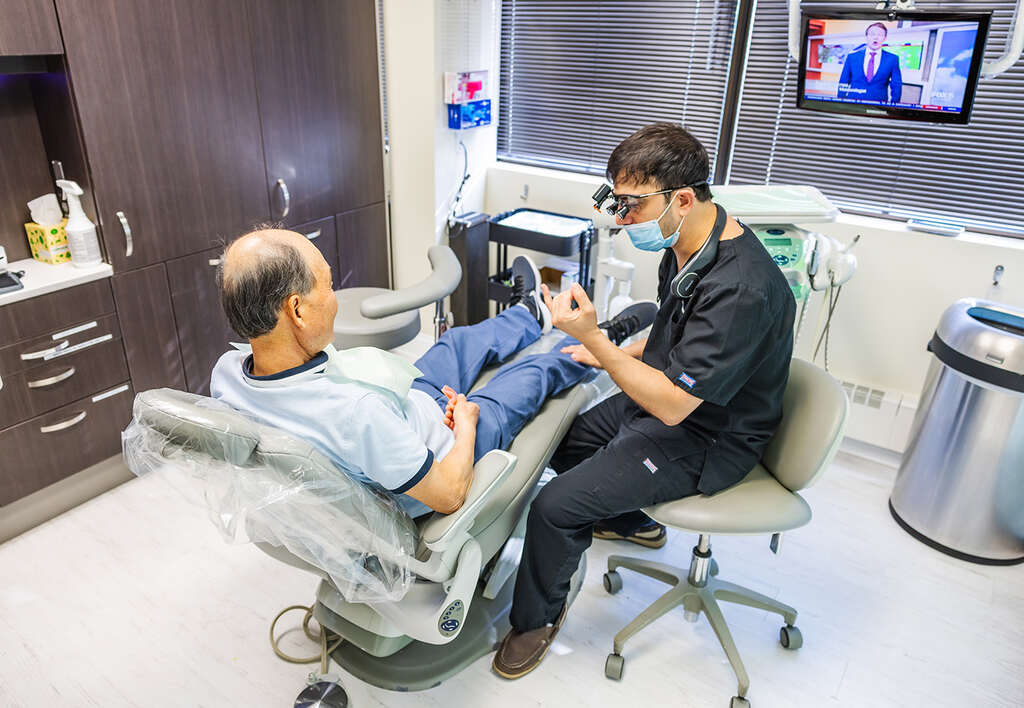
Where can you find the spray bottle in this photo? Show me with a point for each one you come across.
(82, 240)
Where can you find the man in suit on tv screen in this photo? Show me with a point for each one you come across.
(872, 74)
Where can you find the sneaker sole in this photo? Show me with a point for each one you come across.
(652, 543)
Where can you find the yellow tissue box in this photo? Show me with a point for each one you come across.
(49, 245)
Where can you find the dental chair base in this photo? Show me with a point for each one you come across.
(418, 665)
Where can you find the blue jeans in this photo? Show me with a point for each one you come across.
(516, 392)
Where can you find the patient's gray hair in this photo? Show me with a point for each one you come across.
(254, 289)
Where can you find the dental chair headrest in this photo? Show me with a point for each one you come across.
(189, 421)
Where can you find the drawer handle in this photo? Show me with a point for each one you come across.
(50, 381)
(129, 244)
(64, 425)
(43, 353)
(286, 195)
(314, 235)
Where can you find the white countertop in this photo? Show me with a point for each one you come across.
(43, 278)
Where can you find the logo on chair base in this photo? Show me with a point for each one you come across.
(451, 619)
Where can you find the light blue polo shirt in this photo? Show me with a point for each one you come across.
(372, 436)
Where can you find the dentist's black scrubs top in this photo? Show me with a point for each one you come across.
(730, 345)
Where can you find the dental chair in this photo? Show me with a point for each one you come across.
(413, 602)
(764, 502)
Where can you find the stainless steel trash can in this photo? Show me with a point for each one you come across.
(960, 488)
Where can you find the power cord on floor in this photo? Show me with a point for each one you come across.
(325, 651)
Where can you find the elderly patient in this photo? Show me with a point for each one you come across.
(421, 445)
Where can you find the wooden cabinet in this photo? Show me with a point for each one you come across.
(50, 447)
(64, 395)
(203, 330)
(363, 248)
(319, 104)
(147, 327)
(28, 27)
(167, 104)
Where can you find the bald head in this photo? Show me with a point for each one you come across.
(259, 271)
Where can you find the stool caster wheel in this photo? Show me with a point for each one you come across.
(613, 666)
(612, 582)
(713, 567)
(739, 702)
(790, 637)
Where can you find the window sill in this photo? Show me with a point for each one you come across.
(855, 220)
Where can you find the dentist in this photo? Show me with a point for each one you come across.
(701, 396)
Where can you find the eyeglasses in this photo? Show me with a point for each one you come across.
(622, 204)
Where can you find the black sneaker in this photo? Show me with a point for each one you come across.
(636, 317)
(526, 291)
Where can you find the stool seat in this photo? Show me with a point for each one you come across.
(351, 329)
(756, 505)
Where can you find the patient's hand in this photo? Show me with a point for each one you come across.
(449, 410)
(581, 354)
(464, 415)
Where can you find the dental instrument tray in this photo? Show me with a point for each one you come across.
(543, 231)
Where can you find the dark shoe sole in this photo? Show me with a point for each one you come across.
(531, 667)
(656, 542)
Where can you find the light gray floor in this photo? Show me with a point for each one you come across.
(132, 599)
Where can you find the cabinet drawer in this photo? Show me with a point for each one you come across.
(64, 379)
(56, 345)
(48, 313)
(53, 446)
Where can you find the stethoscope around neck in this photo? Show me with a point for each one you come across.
(698, 265)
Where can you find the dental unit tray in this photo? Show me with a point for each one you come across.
(543, 231)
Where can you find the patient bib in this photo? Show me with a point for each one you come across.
(366, 366)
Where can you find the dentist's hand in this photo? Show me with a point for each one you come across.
(576, 323)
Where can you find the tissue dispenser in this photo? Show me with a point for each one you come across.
(49, 244)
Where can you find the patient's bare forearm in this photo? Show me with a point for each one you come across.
(457, 467)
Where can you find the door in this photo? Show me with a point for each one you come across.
(317, 81)
(28, 27)
(167, 103)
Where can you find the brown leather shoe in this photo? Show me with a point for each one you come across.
(521, 652)
(651, 535)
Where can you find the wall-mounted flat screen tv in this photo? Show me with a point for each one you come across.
(892, 64)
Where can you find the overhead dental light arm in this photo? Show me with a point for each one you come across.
(1014, 48)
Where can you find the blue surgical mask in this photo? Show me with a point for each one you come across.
(647, 234)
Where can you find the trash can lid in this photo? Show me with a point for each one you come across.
(983, 337)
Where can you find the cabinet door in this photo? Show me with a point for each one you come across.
(28, 27)
(322, 233)
(316, 72)
(203, 330)
(53, 446)
(147, 328)
(167, 103)
(363, 248)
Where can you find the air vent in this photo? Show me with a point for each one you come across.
(863, 395)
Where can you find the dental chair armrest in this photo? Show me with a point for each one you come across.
(488, 473)
(440, 283)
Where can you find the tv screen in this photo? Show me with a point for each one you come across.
(891, 64)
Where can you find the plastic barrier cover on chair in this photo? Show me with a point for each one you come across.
(259, 483)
